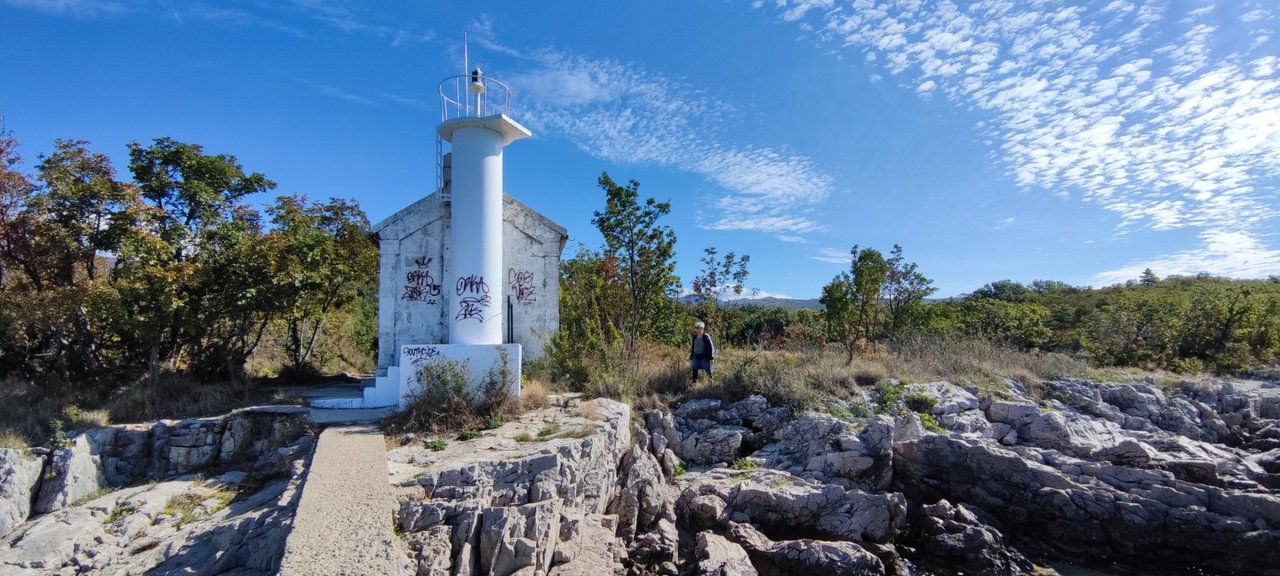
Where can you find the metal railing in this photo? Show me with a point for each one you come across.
(468, 95)
(473, 94)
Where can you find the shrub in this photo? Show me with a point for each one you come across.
(920, 402)
(442, 402)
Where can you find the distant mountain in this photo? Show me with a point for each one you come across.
(772, 302)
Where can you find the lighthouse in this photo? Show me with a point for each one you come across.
(477, 138)
(466, 274)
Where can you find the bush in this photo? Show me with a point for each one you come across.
(442, 402)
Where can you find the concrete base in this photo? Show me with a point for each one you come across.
(400, 383)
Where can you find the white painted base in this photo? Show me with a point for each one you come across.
(401, 382)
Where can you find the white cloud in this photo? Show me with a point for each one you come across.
(1156, 115)
(623, 112)
(1233, 254)
(832, 255)
(267, 15)
(756, 295)
(77, 8)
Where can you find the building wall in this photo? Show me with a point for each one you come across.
(414, 254)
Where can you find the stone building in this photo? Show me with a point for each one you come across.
(414, 251)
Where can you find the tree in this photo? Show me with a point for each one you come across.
(1006, 290)
(645, 254)
(852, 299)
(904, 289)
(591, 296)
(85, 211)
(1015, 323)
(191, 197)
(870, 272)
(719, 276)
(840, 312)
(17, 225)
(192, 192)
(321, 256)
(1148, 278)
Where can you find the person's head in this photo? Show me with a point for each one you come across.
(700, 327)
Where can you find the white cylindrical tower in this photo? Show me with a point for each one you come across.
(475, 279)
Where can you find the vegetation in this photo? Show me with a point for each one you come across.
(149, 297)
(169, 294)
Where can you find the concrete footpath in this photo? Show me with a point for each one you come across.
(343, 522)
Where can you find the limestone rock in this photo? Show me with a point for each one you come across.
(19, 477)
(949, 398)
(433, 549)
(1100, 507)
(74, 472)
(771, 498)
(805, 557)
(645, 507)
(954, 538)
(718, 556)
(1128, 453)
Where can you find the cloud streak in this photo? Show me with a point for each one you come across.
(623, 112)
(272, 16)
(1170, 120)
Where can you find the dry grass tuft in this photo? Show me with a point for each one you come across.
(533, 395)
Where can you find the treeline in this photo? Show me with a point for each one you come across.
(104, 281)
(625, 294)
(1185, 324)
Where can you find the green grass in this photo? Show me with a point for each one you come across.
(436, 445)
(190, 506)
(549, 430)
(930, 423)
(119, 513)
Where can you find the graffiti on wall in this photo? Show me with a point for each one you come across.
(420, 285)
(473, 298)
(422, 355)
(521, 283)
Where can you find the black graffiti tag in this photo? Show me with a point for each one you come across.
(521, 283)
(420, 285)
(422, 356)
(475, 300)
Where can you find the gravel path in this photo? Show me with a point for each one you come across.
(343, 523)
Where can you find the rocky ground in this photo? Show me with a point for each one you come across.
(198, 496)
(1125, 478)
(932, 478)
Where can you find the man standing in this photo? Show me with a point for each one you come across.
(702, 351)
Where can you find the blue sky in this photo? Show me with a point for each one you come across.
(1076, 141)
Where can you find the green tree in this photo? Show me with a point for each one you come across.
(720, 275)
(1006, 290)
(1015, 323)
(321, 256)
(190, 196)
(870, 272)
(192, 192)
(83, 209)
(591, 296)
(852, 299)
(903, 291)
(841, 312)
(644, 251)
